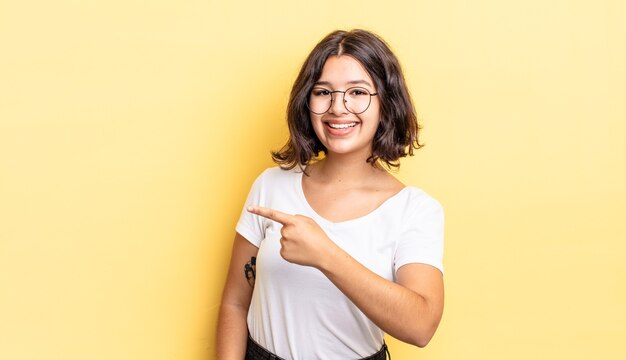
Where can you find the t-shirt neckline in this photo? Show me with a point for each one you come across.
(343, 223)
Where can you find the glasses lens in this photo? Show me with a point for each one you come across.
(320, 100)
(357, 100)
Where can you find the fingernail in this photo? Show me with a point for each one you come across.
(250, 208)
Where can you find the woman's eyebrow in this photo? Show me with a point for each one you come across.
(358, 82)
(352, 82)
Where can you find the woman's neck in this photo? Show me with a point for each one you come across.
(349, 172)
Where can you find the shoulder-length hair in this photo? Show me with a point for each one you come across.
(397, 133)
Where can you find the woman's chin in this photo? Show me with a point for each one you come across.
(347, 150)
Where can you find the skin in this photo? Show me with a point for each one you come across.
(340, 187)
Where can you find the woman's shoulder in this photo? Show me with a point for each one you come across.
(277, 177)
(416, 199)
(276, 172)
(411, 196)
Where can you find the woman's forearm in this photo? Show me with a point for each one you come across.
(396, 309)
(232, 332)
(232, 329)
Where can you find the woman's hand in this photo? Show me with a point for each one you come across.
(303, 241)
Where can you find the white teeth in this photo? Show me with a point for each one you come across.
(341, 126)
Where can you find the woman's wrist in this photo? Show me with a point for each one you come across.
(332, 256)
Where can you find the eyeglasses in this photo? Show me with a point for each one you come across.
(356, 100)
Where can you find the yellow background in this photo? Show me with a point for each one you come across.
(130, 132)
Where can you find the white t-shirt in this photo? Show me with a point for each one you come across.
(296, 312)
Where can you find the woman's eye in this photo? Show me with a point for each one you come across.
(358, 92)
(321, 92)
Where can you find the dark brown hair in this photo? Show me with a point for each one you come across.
(397, 133)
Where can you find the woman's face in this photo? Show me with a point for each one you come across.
(341, 131)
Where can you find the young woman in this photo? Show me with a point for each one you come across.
(344, 251)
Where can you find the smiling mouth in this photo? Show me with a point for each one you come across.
(342, 126)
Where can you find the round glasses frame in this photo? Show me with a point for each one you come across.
(343, 97)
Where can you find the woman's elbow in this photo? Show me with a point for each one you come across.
(422, 336)
(420, 340)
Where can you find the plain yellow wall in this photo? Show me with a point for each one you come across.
(130, 132)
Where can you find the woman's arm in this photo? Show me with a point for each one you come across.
(232, 330)
(409, 310)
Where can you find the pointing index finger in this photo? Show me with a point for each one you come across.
(271, 214)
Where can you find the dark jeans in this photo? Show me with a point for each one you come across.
(254, 351)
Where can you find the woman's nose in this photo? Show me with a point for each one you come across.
(338, 104)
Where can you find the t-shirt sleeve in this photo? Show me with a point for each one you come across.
(252, 226)
(421, 241)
